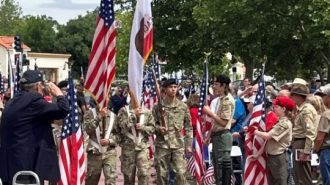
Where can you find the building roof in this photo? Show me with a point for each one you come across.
(48, 55)
(7, 42)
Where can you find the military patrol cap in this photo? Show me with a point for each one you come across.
(284, 101)
(324, 90)
(300, 89)
(169, 82)
(31, 76)
(222, 79)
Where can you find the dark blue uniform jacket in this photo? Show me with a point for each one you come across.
(27, 142)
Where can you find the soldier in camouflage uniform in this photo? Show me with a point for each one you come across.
(221, 137)
(98, 157)
(134, 149)
(170, 144)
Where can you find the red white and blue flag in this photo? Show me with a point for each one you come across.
(149, 90)
(17, 74)
(209, 176)
(2, 85)
(101, 66)
(72, 160)
(255, 167)
(150, 96)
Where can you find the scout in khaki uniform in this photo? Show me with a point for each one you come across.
(221, 137)
(134, 147)
(303, 134)
(278, 141)
(101, 154)
(322, 141)
(170, 143)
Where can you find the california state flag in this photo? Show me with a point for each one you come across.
(140, 46)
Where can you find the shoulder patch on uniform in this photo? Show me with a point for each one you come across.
(284, 124)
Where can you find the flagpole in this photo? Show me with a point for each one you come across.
(206, 61)
(263, 65)
(10, 79)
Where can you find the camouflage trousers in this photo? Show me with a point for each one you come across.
(97, 162)
(132, 161)
(167, 159)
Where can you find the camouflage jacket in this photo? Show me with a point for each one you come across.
(178, 121)
(91, 125)
(127, 120)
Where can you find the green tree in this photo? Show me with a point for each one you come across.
(76, 38)
(288, 35)
(181, 40)
(38, 32)
(10, 13)
(123, 41)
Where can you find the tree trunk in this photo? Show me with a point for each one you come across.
(328, 76)
(249, 66)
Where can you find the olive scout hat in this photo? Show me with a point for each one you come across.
(299, 81)
(300, 89)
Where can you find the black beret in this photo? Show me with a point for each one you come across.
(31, 76)
(63, 84)
(222, 79)
(169, 82)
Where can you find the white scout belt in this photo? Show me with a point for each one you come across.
(97, 144)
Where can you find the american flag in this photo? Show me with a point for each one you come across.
(2, 85)
(203, 90)
(198, 153)
(17, 74)
(209, 176)
(101, 66)
(150, 97)
(255, 170)
(71, 153)
(191, 165)
(149, 91)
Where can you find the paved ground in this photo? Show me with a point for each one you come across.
(120, 178)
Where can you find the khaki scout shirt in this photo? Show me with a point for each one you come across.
(324, 126)
(281, 135)
(125, 123)
(178, 119)
(304, 126)
(225, 111)
(92, 123)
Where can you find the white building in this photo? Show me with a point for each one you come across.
(7, 53)
(53, 66)
(240, 72)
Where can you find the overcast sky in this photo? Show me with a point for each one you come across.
(60, 10)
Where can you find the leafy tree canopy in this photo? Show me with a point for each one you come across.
(10, 13)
